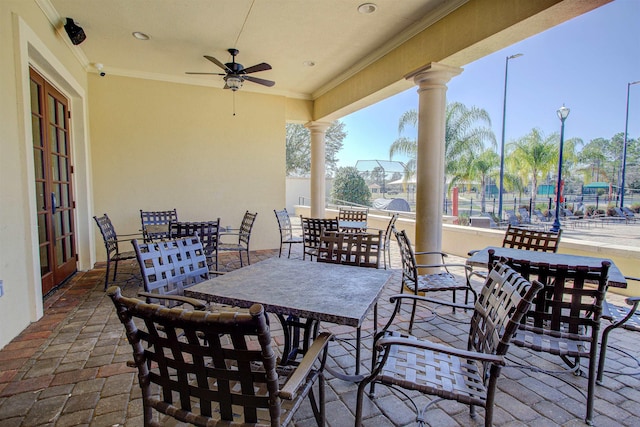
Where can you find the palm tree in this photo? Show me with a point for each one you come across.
(533, 156)
(480, 169)
(466, 132)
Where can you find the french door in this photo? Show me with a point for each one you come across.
(55, 204)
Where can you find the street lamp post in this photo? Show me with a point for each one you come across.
(624, 145)
(563, 113)
(504, 112)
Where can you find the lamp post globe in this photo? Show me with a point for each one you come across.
(563, 113)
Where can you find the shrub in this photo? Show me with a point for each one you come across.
(349, 186)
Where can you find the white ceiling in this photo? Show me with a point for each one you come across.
(284, 33)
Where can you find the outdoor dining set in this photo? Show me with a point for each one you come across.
(202, 338)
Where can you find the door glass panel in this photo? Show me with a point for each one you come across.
(36, 131)
(53, 140)
(35, 99)
(63, 202)
(40, 199)
(44, 261)
(38, 163)
(64, 171)
(67, 221)
(57, 225)
(60, 114)
(59, 252)
(55, 170)
(42, 228)
(62, 141)
(68, 247)
(51, 107)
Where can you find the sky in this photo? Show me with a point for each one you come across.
(584, 63)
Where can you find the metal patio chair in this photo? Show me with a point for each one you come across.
(209, 234)
(443, 280)
(155, 224)
(111, 241)
(386, 244)
(311, 231)
(469, 376)
(209, 369)
(244, 237)
(564, 319)
(286, 231)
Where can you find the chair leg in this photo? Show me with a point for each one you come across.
(248, 259)
(280, 251)
(603, 351)
(106, 276)
(240, 255)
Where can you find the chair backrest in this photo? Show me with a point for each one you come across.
(168, 267)
(408, 257)
(313, 227)
(531, 240)
(628, 212)
(359, 249)
(207, 231)
(390, 227)
(157, 220)
(568, 303)
(108, 234)
(229, 374)
(352, 214)
(501, 304)
(245, 227)
(284, 224)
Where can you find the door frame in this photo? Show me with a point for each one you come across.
(31, 51)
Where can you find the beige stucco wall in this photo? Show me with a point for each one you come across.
(159, 146)
(28, 38)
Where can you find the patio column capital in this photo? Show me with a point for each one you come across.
(433, 75)
(318, 167)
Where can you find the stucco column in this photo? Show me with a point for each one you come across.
(318, 181)
(432, 88)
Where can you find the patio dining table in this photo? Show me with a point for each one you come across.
(481, 258)
(295, 289)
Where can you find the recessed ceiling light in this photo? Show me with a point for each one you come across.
(140, 36)
(367, 8)
(309, 64)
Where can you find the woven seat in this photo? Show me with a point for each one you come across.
(311, 230)
(286, 231)
(619, 317)
(210, 369)
(443, 280)
(243, 235)
(467, 376)
(565, 317)
(111, 241)
(155, 224)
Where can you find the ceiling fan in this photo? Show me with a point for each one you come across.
(235, 74)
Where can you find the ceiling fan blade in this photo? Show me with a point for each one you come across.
(259, 81)
(258, 67)
(218, 63)
(212, 74)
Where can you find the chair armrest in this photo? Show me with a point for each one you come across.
(473, 252)
(431, 253)
(196, 304)
(399, 297)
(428, 345)
(290, 388)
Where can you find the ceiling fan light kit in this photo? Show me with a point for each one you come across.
(235, 74)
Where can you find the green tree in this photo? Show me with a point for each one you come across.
(480, 169)
(298, 148)
(532, 157)
(349, 186)
(467, 130)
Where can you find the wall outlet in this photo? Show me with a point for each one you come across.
(1, 288)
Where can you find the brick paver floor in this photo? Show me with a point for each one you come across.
(69, 369)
